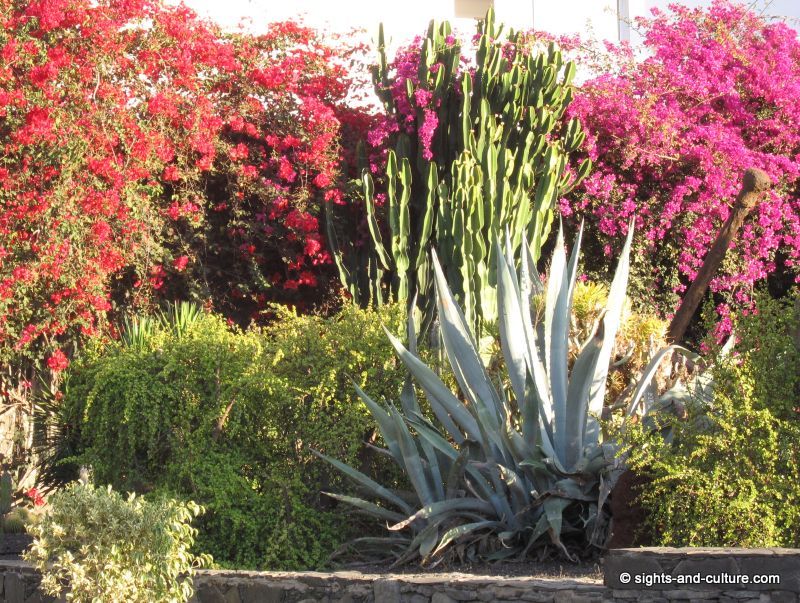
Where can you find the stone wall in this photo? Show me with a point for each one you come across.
(704, 575)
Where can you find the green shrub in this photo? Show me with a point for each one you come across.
(724, 478)
(228, 418)
(100, 546)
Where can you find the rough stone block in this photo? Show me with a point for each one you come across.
(208, 593)
(232, 595)
(386, 590)
(571, 597)
(787, 567)
(14, 588)
(260, 593)
(630, 565)
(698, 570)
(535, 596)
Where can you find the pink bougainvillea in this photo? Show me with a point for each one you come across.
(672, 134)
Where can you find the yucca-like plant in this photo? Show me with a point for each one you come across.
(180, 316)
(505, 470)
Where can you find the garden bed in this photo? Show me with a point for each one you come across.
(227, 586)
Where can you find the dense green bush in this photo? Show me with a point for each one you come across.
(100, 546)
(728, 476)
(229, 418)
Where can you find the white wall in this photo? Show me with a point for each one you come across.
(405, 18)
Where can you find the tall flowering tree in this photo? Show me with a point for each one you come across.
(671, 135)
(146, 154)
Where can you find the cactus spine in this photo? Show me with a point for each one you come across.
(499, 163)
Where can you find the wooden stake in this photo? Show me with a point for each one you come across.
(754, 183)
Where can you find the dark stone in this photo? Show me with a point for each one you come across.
(14, 589)
(232, 595)
(787, 567)
(386, 591)
(614, 566)
(260, 593)
(695, 570)
(14, 544)
(208, 593)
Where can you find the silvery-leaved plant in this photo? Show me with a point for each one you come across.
(502, 471)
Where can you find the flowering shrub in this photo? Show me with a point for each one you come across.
(146, 153)
(671, 136)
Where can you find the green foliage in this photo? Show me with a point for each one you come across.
(99, 546)
(508, 469)
(770, 354)
(724, 479)
(487, 152)
(6, 492)
(196, 409)
(13, 517)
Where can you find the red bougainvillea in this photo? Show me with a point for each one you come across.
(671, 136)
(146, 153)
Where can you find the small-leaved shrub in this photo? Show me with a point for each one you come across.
(94, 544)
(726, 477)
(229, 418)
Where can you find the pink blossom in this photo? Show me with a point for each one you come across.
(671, 135)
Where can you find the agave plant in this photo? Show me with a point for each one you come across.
(505, 469)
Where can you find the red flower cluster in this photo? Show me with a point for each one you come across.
(35, 496)
(138, 139)
(57, 361)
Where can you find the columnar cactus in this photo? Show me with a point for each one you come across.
(496, 161)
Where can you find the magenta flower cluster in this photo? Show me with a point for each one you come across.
(671, 135)
(416, 114)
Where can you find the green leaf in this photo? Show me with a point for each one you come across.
(449, 507)
(455, 533)
(367, 482)
(445, 405)
(368, 507)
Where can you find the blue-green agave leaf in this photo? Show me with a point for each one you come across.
(445, 405)
(367, 506)
(611, 320)
(459, 531)
(451, 507)
(367, 482)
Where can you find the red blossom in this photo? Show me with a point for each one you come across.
(57, 361)
(35, 495)
(127, 145)
(180, 263)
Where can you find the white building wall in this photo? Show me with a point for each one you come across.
(405, 18)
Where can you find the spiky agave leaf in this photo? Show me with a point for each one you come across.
(525, 469)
